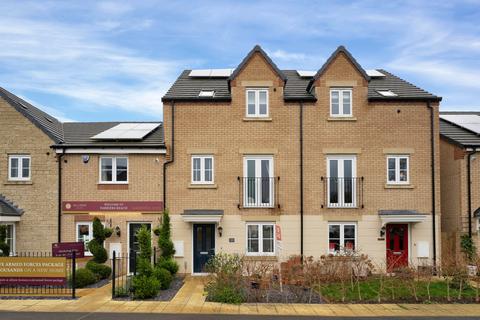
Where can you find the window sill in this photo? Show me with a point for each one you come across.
(202, 186)
(112, 186)
(399, 186)
(341, 119)
(264, 119)
(261, 257)
(13, 182)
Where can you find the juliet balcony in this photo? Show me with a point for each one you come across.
(258, 192)
(342, 192)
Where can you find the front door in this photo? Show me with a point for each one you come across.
(397, 246)
(203, 245)
(133, 246)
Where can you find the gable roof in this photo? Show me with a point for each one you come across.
(45, 122)
(458, 135)
(340, 49)
(257, 49)
(8, 208)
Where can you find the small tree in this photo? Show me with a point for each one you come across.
(145, 284)
(100, 256)
(4, 247)
(164, 238)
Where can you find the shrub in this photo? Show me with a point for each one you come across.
(225, 293)
(164, 237)
(145, 287)
(227, 284)
(164, 277)
(144, 267)
(84, 277)
(96, 244)
(4, 247)
(468, 247)
(102, 271)
(121, 292)
(170, 264)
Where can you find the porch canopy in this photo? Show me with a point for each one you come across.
(399, 216)
(9, 212)
(202, 215)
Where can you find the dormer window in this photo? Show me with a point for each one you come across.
(341, 102)
(257, 103)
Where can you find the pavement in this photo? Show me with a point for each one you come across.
(190, 302)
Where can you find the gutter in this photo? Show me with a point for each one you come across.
(301, 180)
(469, 191)
(168, 162)
(432, 156)
(59, 225)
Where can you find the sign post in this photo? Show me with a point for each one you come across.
(278, 244)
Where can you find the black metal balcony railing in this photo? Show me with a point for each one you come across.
(258, 192)
(343, 192)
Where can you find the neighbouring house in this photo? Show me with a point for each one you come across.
(271, 163)
(28, 174)
(460, 179)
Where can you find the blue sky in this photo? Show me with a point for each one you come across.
(114, 60)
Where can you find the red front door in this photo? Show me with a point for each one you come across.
(397, 246)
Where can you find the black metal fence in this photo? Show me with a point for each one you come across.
(258, 192)
(343, 192)
(37, 286)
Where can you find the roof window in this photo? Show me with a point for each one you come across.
(387, 93)
(206, 93)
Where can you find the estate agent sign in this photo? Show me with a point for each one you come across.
(33, 271)
(66, 249)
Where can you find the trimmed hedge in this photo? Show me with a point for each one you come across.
(102, 271)
(164, 276)
(170, 264)
(145, 287)
(84, 277)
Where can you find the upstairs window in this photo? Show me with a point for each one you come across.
(341, 102)
(19, 168)
(257, 103)
(397, 170)
(113, 170)
(202, 169)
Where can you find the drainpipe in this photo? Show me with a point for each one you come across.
(432, 155)
(469, 191)
(166, 163)
(301, 179)
(59, 205)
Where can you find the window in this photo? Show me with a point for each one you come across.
(257, 103)
(113, 170)
(341, 181)
(397, 170)
(260, 239)
(258, 182)
(10, 239)
(341, 102)
(342, 237)
(85, 234)
(202, 169)
(19, 168)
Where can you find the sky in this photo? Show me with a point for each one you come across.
(114, 60)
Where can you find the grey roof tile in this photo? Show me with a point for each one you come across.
(397, 212)
(200, 212)
(459, 135)
(8, 208)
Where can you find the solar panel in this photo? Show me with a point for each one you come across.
(306, 74)
(214, 73)
(127, 131)
(387, 93)
(468, 121)
(374, 73)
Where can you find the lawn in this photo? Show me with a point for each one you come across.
(396, 290)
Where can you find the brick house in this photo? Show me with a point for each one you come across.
(271, 163)
(460, 179)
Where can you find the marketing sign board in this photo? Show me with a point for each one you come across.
(66, 249)
(33, 271)
(112, 206)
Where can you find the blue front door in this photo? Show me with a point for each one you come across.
(203, 245)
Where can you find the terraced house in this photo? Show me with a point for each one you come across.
(271, 163)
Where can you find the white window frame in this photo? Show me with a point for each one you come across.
(260, 239)
(20, 167)
(341, 183)
(342, 236)
(257, 103)
(202, 169)
(397, 169)
(258, 194)
(114, 169)
(14, 236)
(340, 102)
(90, 233)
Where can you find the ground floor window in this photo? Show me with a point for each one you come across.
(85, 234)
(260, 238)
(342, 236)
(10, 237)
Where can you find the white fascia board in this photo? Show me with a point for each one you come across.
(407, 218)
(9, 218)
(202, 218)
(111, 150)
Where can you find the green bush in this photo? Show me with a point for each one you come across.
(164, 276)
(4, 247)
(144, 267)
(164, 238)
(170, 264)
(225, 293)
(102, 271)
(98, 251)
(122, 292)
(145, 287)
(84, 277)
(227, 284)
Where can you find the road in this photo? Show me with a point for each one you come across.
(150, 316)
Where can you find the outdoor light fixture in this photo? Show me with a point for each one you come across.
(85, 158)
(382, 232)
(220, 231)
(117, 231)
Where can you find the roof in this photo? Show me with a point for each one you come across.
(257, 49)
(45, 122)
(78, 134)
(458, 135)
(202, 212)
(8, 208)
(397, 212)
(340, 49)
